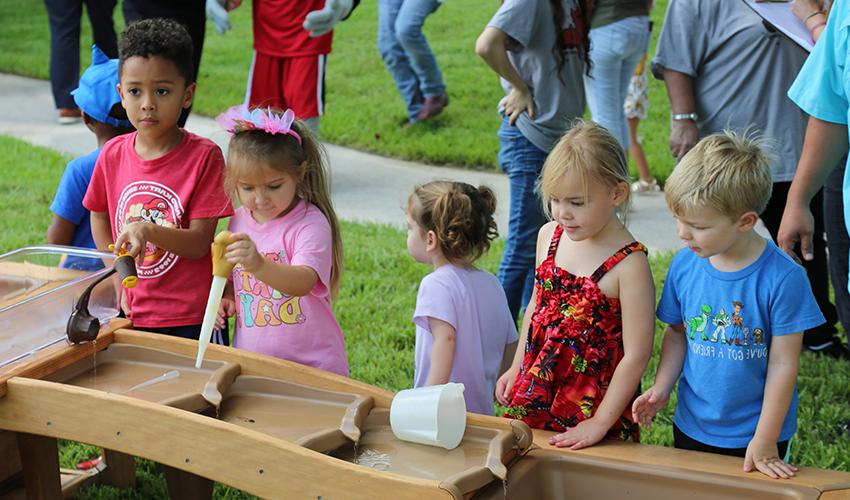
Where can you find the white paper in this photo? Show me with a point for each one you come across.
(779, 15)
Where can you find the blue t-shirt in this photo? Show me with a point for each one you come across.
(823, 85)
(68, 204)
(730, 319)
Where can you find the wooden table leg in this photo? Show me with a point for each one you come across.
(120, 469)
(184, 485)
(40, 461)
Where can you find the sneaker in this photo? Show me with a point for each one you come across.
(642, 186)
(833, 349)
(433, 106)
(68, 116)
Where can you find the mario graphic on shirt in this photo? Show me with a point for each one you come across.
(151, 203)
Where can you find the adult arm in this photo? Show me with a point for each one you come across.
(637, 299)
(684, 134)
(442, 351)
(782, 365)
(812, 14)
(824, 146)
(491, 46)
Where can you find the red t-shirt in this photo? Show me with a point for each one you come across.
(183, 184)
(278, 29)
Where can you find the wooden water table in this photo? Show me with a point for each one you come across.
(282, 430)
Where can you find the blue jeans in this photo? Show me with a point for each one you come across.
(837, 242)
(615, 51)
(406, 52)
(522, 161)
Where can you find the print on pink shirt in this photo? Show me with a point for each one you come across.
(262, 305)
(154, 203)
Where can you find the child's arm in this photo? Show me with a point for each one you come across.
(505, 384)
(782, 365)
(491, 47)
(637, 300)
(673, 348)
(227, 308)
(442, 352)
(61, 231)
(191, 243)
(287, 279)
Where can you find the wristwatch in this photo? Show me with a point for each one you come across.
(685, 116)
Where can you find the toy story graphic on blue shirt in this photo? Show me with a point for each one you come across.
(725, 325)
(262, 305)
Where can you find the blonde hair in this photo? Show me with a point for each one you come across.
(461, 215)
(252, 149)
(726, 171)
(592, 151)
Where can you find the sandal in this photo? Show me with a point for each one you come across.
(642, 186)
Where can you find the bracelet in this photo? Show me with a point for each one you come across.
(813, 14)
(685, 116)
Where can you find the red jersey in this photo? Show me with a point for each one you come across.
(278, 29)
(183, 184)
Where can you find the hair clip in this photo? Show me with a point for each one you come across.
(240, 118)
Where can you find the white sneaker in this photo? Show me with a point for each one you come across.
(642, 186)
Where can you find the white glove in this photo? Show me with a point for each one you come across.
(218, 15)
(320, 22)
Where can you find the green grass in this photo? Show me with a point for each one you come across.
(375, 306)
(364, 108)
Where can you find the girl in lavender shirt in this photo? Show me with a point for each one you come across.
(462, 318)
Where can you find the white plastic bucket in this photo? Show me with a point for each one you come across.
(433, 415)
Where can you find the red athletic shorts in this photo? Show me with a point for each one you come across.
(297, 83)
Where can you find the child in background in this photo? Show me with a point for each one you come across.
(578, 367)
(100, 103)
(288, 249)
(635, 108)
(158, 192)
(736, 307)
(462, 317)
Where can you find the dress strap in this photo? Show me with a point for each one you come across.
(615, 259)
(556, 238)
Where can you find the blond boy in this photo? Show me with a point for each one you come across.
(737, 391)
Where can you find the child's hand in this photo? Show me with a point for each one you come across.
(586, 433)
(243, 251)
(505, 385)
(225, 310)
(764, 456)
(648, 404)
(134, 239)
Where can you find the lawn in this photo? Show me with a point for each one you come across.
(364, 108)
(376, 302)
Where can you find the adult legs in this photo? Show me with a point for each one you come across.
(820, 337)
(522, 161)
(838, 242)
(395, 58)
(408, 30)
(103, 28)
(615, 51)
(64, 19)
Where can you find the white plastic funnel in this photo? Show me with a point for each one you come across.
(433, 415)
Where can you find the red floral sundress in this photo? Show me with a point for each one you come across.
(574, 344)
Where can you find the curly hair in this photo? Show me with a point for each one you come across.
(460, 215)
(161, 37)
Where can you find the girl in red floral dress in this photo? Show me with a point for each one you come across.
(590, 320)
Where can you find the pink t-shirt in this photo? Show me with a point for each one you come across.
(182, 185)
(301, 329)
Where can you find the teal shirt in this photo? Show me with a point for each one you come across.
(823, 84)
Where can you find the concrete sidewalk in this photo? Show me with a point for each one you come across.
(366, 187)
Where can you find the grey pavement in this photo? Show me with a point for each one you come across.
(366, 187)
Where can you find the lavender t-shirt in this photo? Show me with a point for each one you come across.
(301, 329)
(473, 302)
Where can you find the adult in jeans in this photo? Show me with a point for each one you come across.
(539, 49)
(409, 58)
(64, 18)
(619, 37)
(725, 69)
